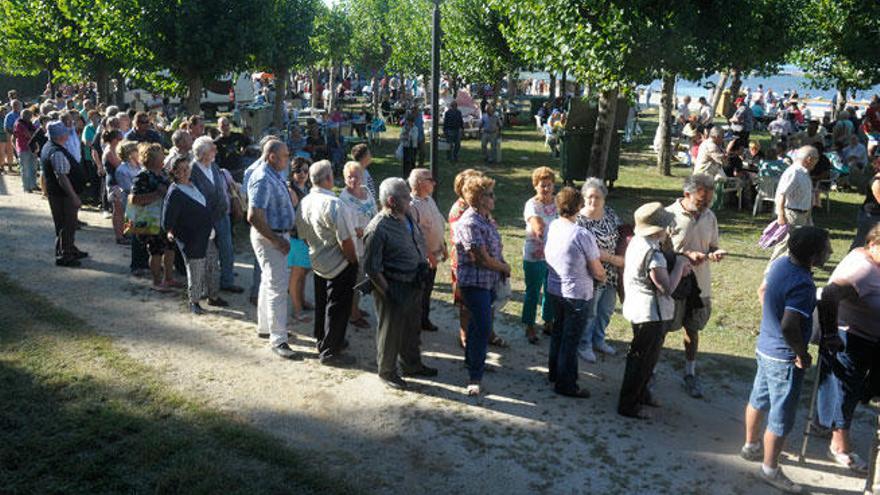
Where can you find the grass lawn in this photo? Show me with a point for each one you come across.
(77, 415)
(736, 312)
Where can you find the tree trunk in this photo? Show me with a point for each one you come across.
(102, 81)
(719, 90)
(377, 98)
(602, 136)
(315, 94)
(331, 85)
(552, 89)
(664, 157)
(280, 93)
(193, 95)
(735, 86)
(51, 81)
(120, 90)
(563, 83)
(841, 102)
(512, 85)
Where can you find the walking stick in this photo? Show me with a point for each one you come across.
(808, 429)
(872, 483)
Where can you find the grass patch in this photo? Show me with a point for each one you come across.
(77, 415)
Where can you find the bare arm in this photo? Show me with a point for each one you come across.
(349, 251)
(613, 259)
(537, 226)
(483, 259)
(667, 282)
(597, 270)
(791, 324)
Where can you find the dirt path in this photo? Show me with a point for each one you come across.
(522, 438)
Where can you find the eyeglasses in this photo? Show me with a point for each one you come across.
(300, 171)
(143, 121)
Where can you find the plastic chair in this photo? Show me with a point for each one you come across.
(734, 185)
(766, 187)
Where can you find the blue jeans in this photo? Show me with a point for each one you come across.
(776, 391)
(223, 231)
(536, 282)
(28, 170)
(479, 302)
(603, 302)
(841, 389)
(571, 317)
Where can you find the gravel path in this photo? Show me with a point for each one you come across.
(521, 438)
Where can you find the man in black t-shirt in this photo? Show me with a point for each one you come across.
(230, 148)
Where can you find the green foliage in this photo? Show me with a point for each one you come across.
(474, 46)
(411, 39)
(331, 39)
(35, 36)
(840, 43)
(371, 34)
(286, 31)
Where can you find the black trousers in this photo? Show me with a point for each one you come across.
(333, 299)
(644, 351)
(64, 218)
(140, 258)
(426, 298)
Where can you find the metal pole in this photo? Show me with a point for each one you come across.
(435, 94)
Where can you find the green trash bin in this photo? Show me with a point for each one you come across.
(574, 153)
(577, 140)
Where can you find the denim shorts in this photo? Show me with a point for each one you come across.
(776, 391)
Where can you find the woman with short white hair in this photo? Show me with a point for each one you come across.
(361, 208)
(601, 221)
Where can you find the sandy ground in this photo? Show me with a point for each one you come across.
(522, 438)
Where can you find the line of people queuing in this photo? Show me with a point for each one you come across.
(578, 255)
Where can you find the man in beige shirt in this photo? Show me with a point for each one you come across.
(695, 235)
(433, 225)
(711, 157)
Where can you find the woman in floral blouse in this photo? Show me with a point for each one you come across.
(603, 223)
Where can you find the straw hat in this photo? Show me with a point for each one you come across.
(652, 218)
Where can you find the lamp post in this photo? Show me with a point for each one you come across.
(435, 94)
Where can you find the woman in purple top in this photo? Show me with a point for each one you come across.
(481, 265)
(572, 264)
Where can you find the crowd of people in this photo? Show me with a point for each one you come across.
(175, 211)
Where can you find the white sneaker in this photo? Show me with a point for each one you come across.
(779, 481)
(587, 355)
(107, 214)
(604, 348)
(474, 389)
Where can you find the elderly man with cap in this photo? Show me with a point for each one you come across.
(330, 236)
(271, 215)
(742, 122)
(395, 262)
(64, 181)
(649, 282)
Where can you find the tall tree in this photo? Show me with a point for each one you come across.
(474, 46)
(840, 45)
(330, 44)
(194, 40)
(35, 37)
(285, 44)
(371, 35)
(411, 41)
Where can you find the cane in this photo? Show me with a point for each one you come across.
(872, 482)
(808, 430)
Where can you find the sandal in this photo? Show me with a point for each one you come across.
(301, 318)
(531, 336)
(497, 341)
(308, 307)
(849, 460)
